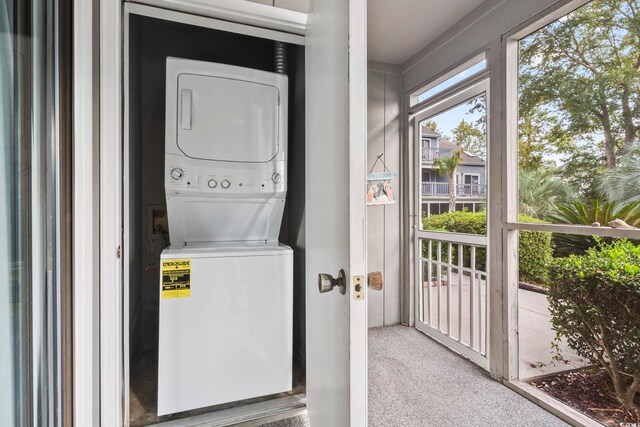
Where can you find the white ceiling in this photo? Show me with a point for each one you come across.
(295, 5)
(398, 29)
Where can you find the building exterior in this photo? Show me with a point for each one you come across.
(471, 178)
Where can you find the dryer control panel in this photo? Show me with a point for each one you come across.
(222, 178)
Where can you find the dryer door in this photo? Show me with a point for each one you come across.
(227, 119)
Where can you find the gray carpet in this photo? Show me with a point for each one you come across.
(299, 421)
(414, 381)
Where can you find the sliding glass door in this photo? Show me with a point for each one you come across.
(31, 200)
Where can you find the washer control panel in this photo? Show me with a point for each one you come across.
(227, 178)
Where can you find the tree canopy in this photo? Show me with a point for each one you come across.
(580, 84)
(470, 138)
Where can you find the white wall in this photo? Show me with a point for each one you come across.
(383, 229)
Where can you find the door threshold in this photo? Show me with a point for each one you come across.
(250, 415)
(551, 404)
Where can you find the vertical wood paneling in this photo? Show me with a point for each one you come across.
(392, 212)
(383, 222)
(375, 214)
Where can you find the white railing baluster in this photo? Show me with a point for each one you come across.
(439, 282)
(449, 264)
(472, 299)
(429, 274)
(479, 310)
(460, 285)
(486, 314)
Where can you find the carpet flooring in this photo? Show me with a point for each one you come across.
(299, 421)
(414, 381)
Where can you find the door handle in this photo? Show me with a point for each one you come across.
(327, 282)
(185, 104)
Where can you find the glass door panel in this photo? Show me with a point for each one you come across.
(30, 292)
(451, 170)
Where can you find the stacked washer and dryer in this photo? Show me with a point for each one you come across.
(226, 290)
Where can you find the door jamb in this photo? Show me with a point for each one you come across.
(85, 224)
(357, 210)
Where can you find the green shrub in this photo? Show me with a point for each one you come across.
(594, 300)
(586, 213)
(459, 222)
(534, 254)
(534, 246)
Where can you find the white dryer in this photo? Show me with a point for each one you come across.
(226, 287)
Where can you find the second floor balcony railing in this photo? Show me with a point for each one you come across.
(441, 189)
(429, 154)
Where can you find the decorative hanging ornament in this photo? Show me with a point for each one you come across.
(379, 190)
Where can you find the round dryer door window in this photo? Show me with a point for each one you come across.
(227, 119)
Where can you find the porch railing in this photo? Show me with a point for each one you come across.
(454, 293)
(434, 189)
(429, 154)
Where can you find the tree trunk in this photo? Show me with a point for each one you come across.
(609, 140)
(631, 394)
(452, 192)
(630, 129)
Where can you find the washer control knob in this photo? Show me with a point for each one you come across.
(212, 183)
(225, 184)
(177, 173)
(276, 177)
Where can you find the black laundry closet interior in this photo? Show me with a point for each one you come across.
(150, 42)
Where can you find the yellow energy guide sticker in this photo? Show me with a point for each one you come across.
(176, 278)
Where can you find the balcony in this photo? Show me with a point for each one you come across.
(441, 189)
(429, 154)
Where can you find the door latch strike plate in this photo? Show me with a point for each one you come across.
(358, 287)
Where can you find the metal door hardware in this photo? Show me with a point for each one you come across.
(326, 282)
(358, 287)
(375, 280)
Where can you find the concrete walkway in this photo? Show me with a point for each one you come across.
(414, 381)
(536, 335)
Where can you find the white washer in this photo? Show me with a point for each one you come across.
(231, 339)
(226, 285)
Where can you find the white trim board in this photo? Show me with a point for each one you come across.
(552, 405)
(252, 414)
(383, 67)
(85, 250)
(357, 124)
(241, 12)
(112, 346)
(213, 23)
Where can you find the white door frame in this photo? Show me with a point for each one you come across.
(100, 347)
(135, 9)
(86, 328)
(456, 98)
(99, 344)
(357, 211)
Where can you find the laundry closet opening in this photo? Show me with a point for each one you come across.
(148, 44)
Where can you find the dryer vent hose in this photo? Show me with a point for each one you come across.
(280, 57)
